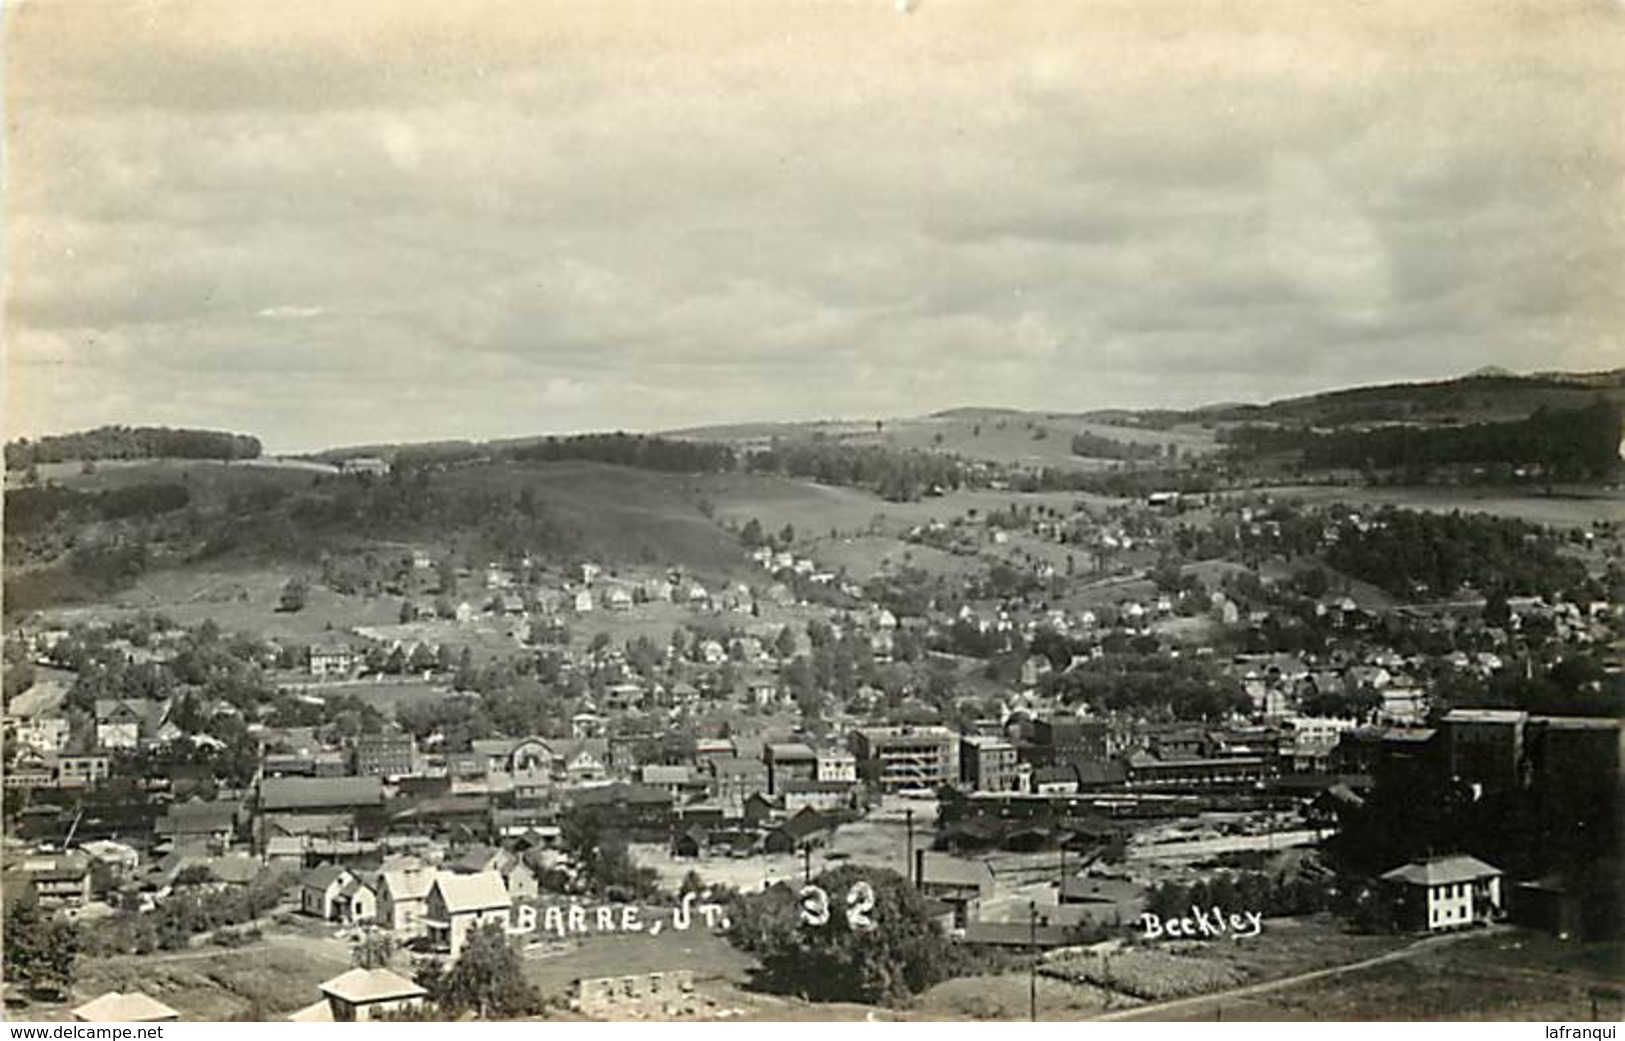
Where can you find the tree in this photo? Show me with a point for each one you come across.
(466, 676)
(293, 595)
(751, 533)
(1167, 575)
(488, 979)
(598, 848)
(787, 535)
(374, 950)
(430, 974)
(421, 659)
(40, 949)
(904, 953)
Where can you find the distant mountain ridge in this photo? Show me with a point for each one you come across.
(1485, 394)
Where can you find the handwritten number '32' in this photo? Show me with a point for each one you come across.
(860, 900)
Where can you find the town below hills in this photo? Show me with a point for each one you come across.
(559, 727)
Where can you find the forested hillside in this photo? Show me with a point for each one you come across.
(1574, 444)
(122, 442)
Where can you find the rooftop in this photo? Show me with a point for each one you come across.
(298, 793)
(1505, 717)
(1442, 871)
(134, 1007)
(940, 869)
(366, 986)
(477, 892)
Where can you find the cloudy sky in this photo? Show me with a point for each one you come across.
(346, 220)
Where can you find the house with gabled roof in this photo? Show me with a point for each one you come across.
(459, 904)
(1451, 892)
(403, 894)
(199, 823)
(806, 828)
(126, 722)
(321, 891)
(361, 996)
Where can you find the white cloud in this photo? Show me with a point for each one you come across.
(653, 220)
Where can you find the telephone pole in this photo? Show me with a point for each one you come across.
(1032, 971)
(908, 866)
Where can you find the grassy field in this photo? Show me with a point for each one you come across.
(995, 435)
(865, 556)
(1502, 975)
(209, 984)
(238, 600)
(816, 508)
(1006, 997)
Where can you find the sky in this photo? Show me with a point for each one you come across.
(352, 221)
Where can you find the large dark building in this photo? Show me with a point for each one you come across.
(1485, 747)
(384, 755)
(1067, 740)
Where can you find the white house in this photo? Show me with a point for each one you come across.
(320, 890)
(360, 996)
(1447, 892)
(459, 904)
(403, 895)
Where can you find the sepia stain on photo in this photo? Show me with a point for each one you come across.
(837, 510)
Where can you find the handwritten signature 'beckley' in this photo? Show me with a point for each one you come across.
(1203, 924)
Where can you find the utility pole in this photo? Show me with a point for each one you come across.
(806, 864)
(1032, 971)
(908, 867)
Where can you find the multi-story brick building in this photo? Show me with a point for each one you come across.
(907, 756)
(987, 763)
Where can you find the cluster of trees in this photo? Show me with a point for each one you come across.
(904, 953)
(1574, 444)
(753, 535)
(407, 505)
(122, 442)
(602, 858)
(1575, 685)
(487, 980)
(1416, 555)
(30, 510)
(1096, 446)
(1274, 896)
(898, 476)
(1122, 483)
(1392, 401)
(642, 451)
(41, 948)
(190, 910)
(1154, 685)
(108, 565)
